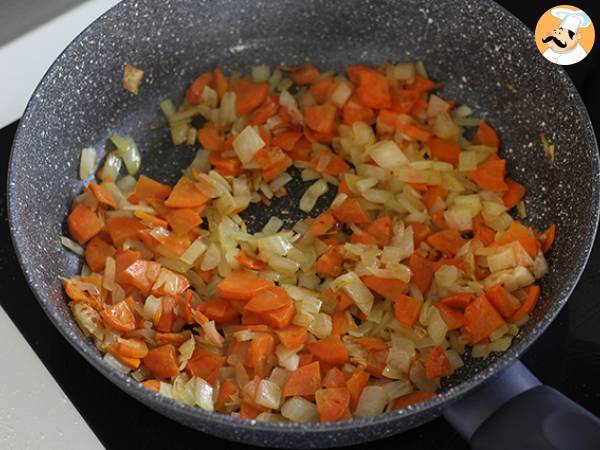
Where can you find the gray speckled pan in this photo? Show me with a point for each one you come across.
(483, 56)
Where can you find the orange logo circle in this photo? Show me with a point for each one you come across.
(564, 35)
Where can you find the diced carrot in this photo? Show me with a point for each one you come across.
(249, 95)
(421, 84)
(422, 271)
(355, 111)
(241, 285)
(209, 137)
(503, 301)
(171, 338)
(194, 92)
(148, 188)
(305, 359)
(438, 220)
(122, 229)
(281, 317)
(77, 294)
(482, 319)
(322, 88)
(305, 74)
(389, 288)
(374, 90)
(221, 84)
(339, 323)
(533, 294)
(446, 241)
(250, 412)
(454, 319)
(250, 261)
(103, 196)
(304, 381)
(411, 399)
(485, 234)
(183, 220)
(372, 343)
(150, 220)
(330, 262)
(286, 140)
(351, 211)
(268, 300)
(226, 166)
(381, 230)
(141, 274)
(334, 378)
(264, 112)
(320, 117)
(344, 188)
(301, 151)
(132, 348)
(261, 347)
(218, 310)
(490, 175)
(437, 364)
(355, 384)
(335, 166)
(407, 309)
(445, 150)
(420, 232)
(226, 390)
(460, 300)
(419, 187)
(162, 361)
(119, 317)
(153, 385)
(376, 362)
(362, 237)
(417, 131)
(186, 195)
(96, 252)
(292, 336)
(514, 194)
(486, 135)
(403, 100)
(330, 350)
(355, 71)
(83, 224)
(333, 404)
(518, 232)
(548, 236)
(322, 224)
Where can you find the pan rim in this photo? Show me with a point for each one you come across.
(428, 409)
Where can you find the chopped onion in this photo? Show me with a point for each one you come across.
(372, 401)
(273, 225)
(540, 266)
(88, 319)
(312, 194)
(87, 164)
(268, 394)
(467, 161)
(211, 258)
(387, 154)
(504, 259)
(321, 326)
(227, 111)
(203, 394)
(108, 279)
(300, 410)
(341, 94)
(287, 358)
(112, 166)
(403, 71)
(458, 218)
(283, 265)
(194, 251)
(353, 286)
(397, 389)
(261, 74)
(72, 245)
(212, 334)
(444, 127)
(247, 143)
(115, 363)
(446, 276)
(168, 108)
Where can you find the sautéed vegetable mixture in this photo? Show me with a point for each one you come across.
(361, 309)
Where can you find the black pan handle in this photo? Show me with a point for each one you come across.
(513, 410)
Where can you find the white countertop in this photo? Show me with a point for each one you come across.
(34, 412)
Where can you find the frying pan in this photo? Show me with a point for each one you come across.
(483, 56)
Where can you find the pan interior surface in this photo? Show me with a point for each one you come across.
(484, 58)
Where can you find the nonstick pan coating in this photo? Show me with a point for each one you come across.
(483, 56)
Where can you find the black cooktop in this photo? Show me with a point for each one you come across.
(566, 357)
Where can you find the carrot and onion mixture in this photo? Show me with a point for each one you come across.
(361, 309)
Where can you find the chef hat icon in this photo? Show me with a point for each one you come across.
(571, 19)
